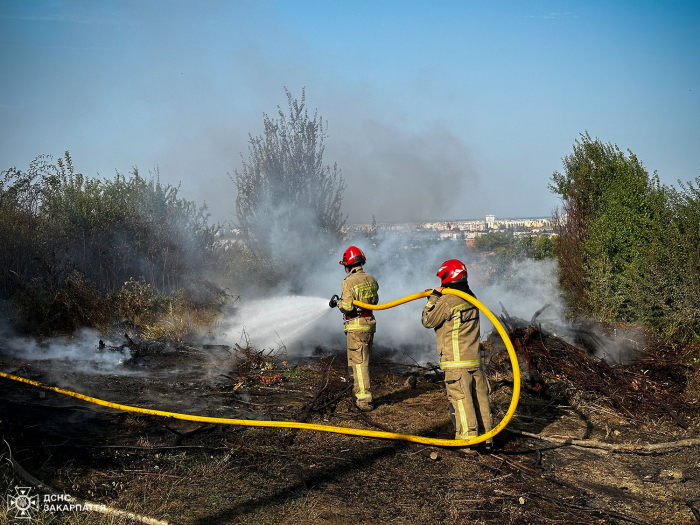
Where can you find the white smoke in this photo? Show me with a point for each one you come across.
(532, 285)
(78, 353)
(405, 263)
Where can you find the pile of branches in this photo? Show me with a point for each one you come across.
(654, 385)
(333, 387)
(250, 361)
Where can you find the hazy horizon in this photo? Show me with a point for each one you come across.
(433, 110)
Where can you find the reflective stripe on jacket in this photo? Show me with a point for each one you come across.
(358, 286)
(456, 324)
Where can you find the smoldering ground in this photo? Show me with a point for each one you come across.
(78, 353)
(400, 271)
(405, 263)
(300, 323)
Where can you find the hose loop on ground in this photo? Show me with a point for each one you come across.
(501, 331)
(329, 428)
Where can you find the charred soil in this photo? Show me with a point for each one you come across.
(191, 473)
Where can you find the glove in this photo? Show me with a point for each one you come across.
(333, 303)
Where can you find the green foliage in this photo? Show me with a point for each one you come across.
(667, 277)
(542, 247)
(371, 234)
(627, 245)
(504, 249)
(63, 233)
(288, 201)
(54, 221)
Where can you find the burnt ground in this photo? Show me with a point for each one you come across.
(227, 474)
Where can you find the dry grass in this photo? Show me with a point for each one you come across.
(262, 476)
(75, 303)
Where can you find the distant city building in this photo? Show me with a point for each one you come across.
(458, 230)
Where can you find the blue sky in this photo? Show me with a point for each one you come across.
(436, 110)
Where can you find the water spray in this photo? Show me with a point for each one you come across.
(329, 428)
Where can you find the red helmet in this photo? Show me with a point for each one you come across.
(452, 270)
(353, 256)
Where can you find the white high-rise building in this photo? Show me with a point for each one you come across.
(490, 220)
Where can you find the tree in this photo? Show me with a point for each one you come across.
(288, 205)
(611, 207)
(54, 221)
(371, 233)
(627, 245)
(504, 251)
(70, 242)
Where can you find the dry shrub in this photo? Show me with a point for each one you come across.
(202, 294)
(138, 302)
(72, 304)
(655, 385)
(194, 308)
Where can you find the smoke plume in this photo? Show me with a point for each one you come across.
(403, 264)
(79, 353)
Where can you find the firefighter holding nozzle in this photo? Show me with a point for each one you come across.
(360, 324)
(456, 325)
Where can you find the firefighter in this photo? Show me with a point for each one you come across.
(360, 324)
(456, 325)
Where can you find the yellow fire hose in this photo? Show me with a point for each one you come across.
(328, 428)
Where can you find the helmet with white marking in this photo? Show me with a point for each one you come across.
(451, 271)
(353, 256)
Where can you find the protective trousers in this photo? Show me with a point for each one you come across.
(359, 349)
(468, 393)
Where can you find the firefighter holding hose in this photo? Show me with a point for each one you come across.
(360, 324)
(456, 325)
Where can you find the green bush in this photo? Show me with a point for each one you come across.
(54, 221)
(627, 245)
(288, 202)
(69, 241)
(503, 249)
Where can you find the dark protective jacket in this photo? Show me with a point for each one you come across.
(358, 286)
(456, 324)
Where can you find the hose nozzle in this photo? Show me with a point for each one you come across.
(333, 303)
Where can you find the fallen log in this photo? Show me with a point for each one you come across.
(625, 448)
